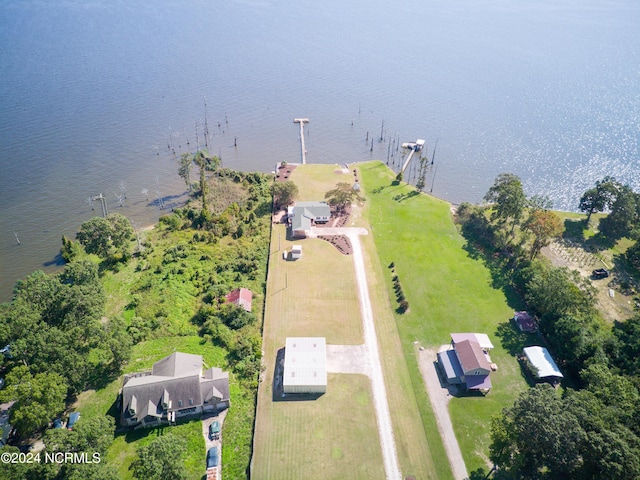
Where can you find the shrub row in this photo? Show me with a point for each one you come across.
(403, 303)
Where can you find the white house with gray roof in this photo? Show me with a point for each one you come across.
(304, 214)
(175, 387)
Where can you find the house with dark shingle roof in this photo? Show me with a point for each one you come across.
(304, 214)
(175, 387)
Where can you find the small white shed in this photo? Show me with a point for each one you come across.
(296, 252)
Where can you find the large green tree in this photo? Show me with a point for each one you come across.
(600, 197)
(39, 398)
(626, 355)
(343, 195)
(55, 324)
(106, 236)
(633, 255)
(555, 292)
(576, 341)
(93, 436)
(537, 437)
(624, 218)
(162, 459)
(509, 202)
(284, 193)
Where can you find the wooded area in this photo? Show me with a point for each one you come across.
(74, 331)
(590, 429)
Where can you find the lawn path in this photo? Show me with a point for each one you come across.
(381, 404)
(439, 400)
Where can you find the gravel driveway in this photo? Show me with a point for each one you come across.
(381, 404)
(439, 398)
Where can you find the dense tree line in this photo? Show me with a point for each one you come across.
(516, 225)
(622, 203)
(591, 431)
(91, 437)
(565, 305)
(58, 342)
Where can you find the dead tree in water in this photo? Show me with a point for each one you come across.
(186, 161)
(160, 200)
(206, 124)
(422, 173)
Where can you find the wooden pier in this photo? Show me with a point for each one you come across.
(415, 147)
(303, 149)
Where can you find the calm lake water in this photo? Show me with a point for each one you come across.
(96, 95)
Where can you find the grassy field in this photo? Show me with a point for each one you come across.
(317, 296)
(314, 181)
(449, 290)
(313, 296)
(330, 438)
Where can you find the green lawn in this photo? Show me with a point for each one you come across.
(314, 181)
(314, 296)
(317, 296)
(333, 437)
(418, 444)
(448, 291)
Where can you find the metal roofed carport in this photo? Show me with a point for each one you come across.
(542, 361)
(448, 361)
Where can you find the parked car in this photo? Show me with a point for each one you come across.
(600, 273)
(73, 418)
(212, 457)
(57, 423)
(214, 430)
